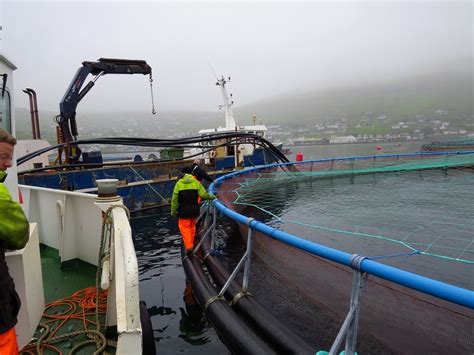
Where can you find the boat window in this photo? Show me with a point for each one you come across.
(230, 150)
(5, 112)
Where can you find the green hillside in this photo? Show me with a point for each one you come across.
(397, 100)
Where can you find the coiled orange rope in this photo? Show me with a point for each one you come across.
(64, 314)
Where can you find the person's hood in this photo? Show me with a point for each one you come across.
(3, 175)
(187, 179)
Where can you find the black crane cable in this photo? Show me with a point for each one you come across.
(231, 137)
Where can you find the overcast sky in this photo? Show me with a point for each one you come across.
(267, 48)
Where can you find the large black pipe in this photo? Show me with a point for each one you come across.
(35, 113)
(33, 124)
(271, 328)
(234, 332)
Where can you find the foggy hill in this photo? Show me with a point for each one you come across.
(452, 91)
(121, 123)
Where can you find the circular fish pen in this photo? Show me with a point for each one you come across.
(384, 245)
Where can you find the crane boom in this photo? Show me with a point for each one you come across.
(74, 94)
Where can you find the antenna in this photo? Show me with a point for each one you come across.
(213, 72)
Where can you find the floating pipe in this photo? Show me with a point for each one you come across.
(234, 332)
(274, 331)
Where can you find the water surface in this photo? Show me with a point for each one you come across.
(178, 323)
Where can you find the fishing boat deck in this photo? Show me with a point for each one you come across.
(66, 297)
(63, 281)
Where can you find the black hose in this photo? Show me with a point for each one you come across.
(233, 331)
(150, 142)
(271, 328)
(148, 342)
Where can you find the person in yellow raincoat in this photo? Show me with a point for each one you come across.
(185, 205)
(14, 234)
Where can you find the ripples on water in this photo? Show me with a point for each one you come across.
(384, 216)
(177, 320)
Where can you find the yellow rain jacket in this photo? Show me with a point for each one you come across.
(14, 227)
(184, 201)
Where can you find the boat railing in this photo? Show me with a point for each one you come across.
(73, 228)
(67, 221)
(362, 266)
(119, 269)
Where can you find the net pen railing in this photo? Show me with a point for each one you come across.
(416, 282)
(360, 264)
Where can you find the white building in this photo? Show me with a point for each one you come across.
(343, 139)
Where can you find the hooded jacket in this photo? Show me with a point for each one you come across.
(184, 201)
(14, 234)
(200, 174)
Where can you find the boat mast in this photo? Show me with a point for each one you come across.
(229, 115)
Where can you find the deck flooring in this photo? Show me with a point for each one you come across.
(61, 282)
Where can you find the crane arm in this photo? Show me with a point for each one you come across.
(74, 94)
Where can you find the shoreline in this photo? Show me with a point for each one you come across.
(365, 142)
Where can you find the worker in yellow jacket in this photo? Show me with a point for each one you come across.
(184, 204)
(14, 234)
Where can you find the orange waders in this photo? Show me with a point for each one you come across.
(187, 227)
(8, 343)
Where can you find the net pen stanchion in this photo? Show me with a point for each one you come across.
(250, 235)
(208, 216)
(245, 258)
(203, 213)
(209, 230)
(213, 226)
(350, 325)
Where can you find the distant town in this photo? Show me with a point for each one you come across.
(440, 125)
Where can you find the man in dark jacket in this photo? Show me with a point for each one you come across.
(14, 234)
(199, 172)
(184, 204)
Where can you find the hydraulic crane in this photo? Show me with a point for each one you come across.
(66, 120)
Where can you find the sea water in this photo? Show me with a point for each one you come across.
(418, 221)
(323, 151)
(178, 323)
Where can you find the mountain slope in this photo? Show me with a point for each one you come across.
(451, 91)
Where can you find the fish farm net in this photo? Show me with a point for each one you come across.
(465, 143)
(413, 212)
